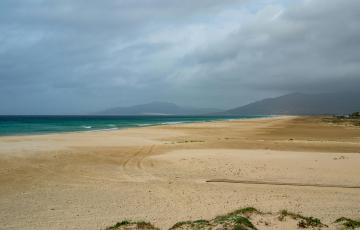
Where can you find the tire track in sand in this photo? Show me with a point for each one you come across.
(148, 153)
(282, 183)
(133, 165)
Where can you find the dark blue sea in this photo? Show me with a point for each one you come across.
(26, 125)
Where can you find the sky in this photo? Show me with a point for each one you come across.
(82, 56)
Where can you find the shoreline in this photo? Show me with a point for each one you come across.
(91, 180)
(139, 126)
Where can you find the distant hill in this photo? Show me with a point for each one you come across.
(157, 108)
(302, 104)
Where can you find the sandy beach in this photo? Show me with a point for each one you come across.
(170, 173)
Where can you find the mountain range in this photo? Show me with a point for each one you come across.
(158, 108)
(290, 104)
(302, 104)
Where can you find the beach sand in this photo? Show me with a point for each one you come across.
(161, 174)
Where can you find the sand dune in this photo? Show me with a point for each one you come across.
(161, 174)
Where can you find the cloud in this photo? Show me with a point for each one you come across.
(285, 49)
(82, 56)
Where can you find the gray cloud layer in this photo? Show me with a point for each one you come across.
(76, 56)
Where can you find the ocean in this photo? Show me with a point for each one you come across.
(27, 125)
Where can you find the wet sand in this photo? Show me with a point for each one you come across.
(165, 174)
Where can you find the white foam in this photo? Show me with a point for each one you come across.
(141, 125)
(172, 122)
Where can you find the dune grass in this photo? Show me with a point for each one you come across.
(348, 223)
(304, 221)
(351, 119)
(197, 224)
(239, 219)
(126, 224)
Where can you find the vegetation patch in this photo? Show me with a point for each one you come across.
(241, 219)
(351, 119)
(238, 220)
(125, 224)
(197, 224)
(239, 212)
(304, 221)
(190, 141)
(348, 223)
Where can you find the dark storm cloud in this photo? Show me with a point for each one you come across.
(310, 46)
(80, 56)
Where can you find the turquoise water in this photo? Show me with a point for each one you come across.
(22, 125)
